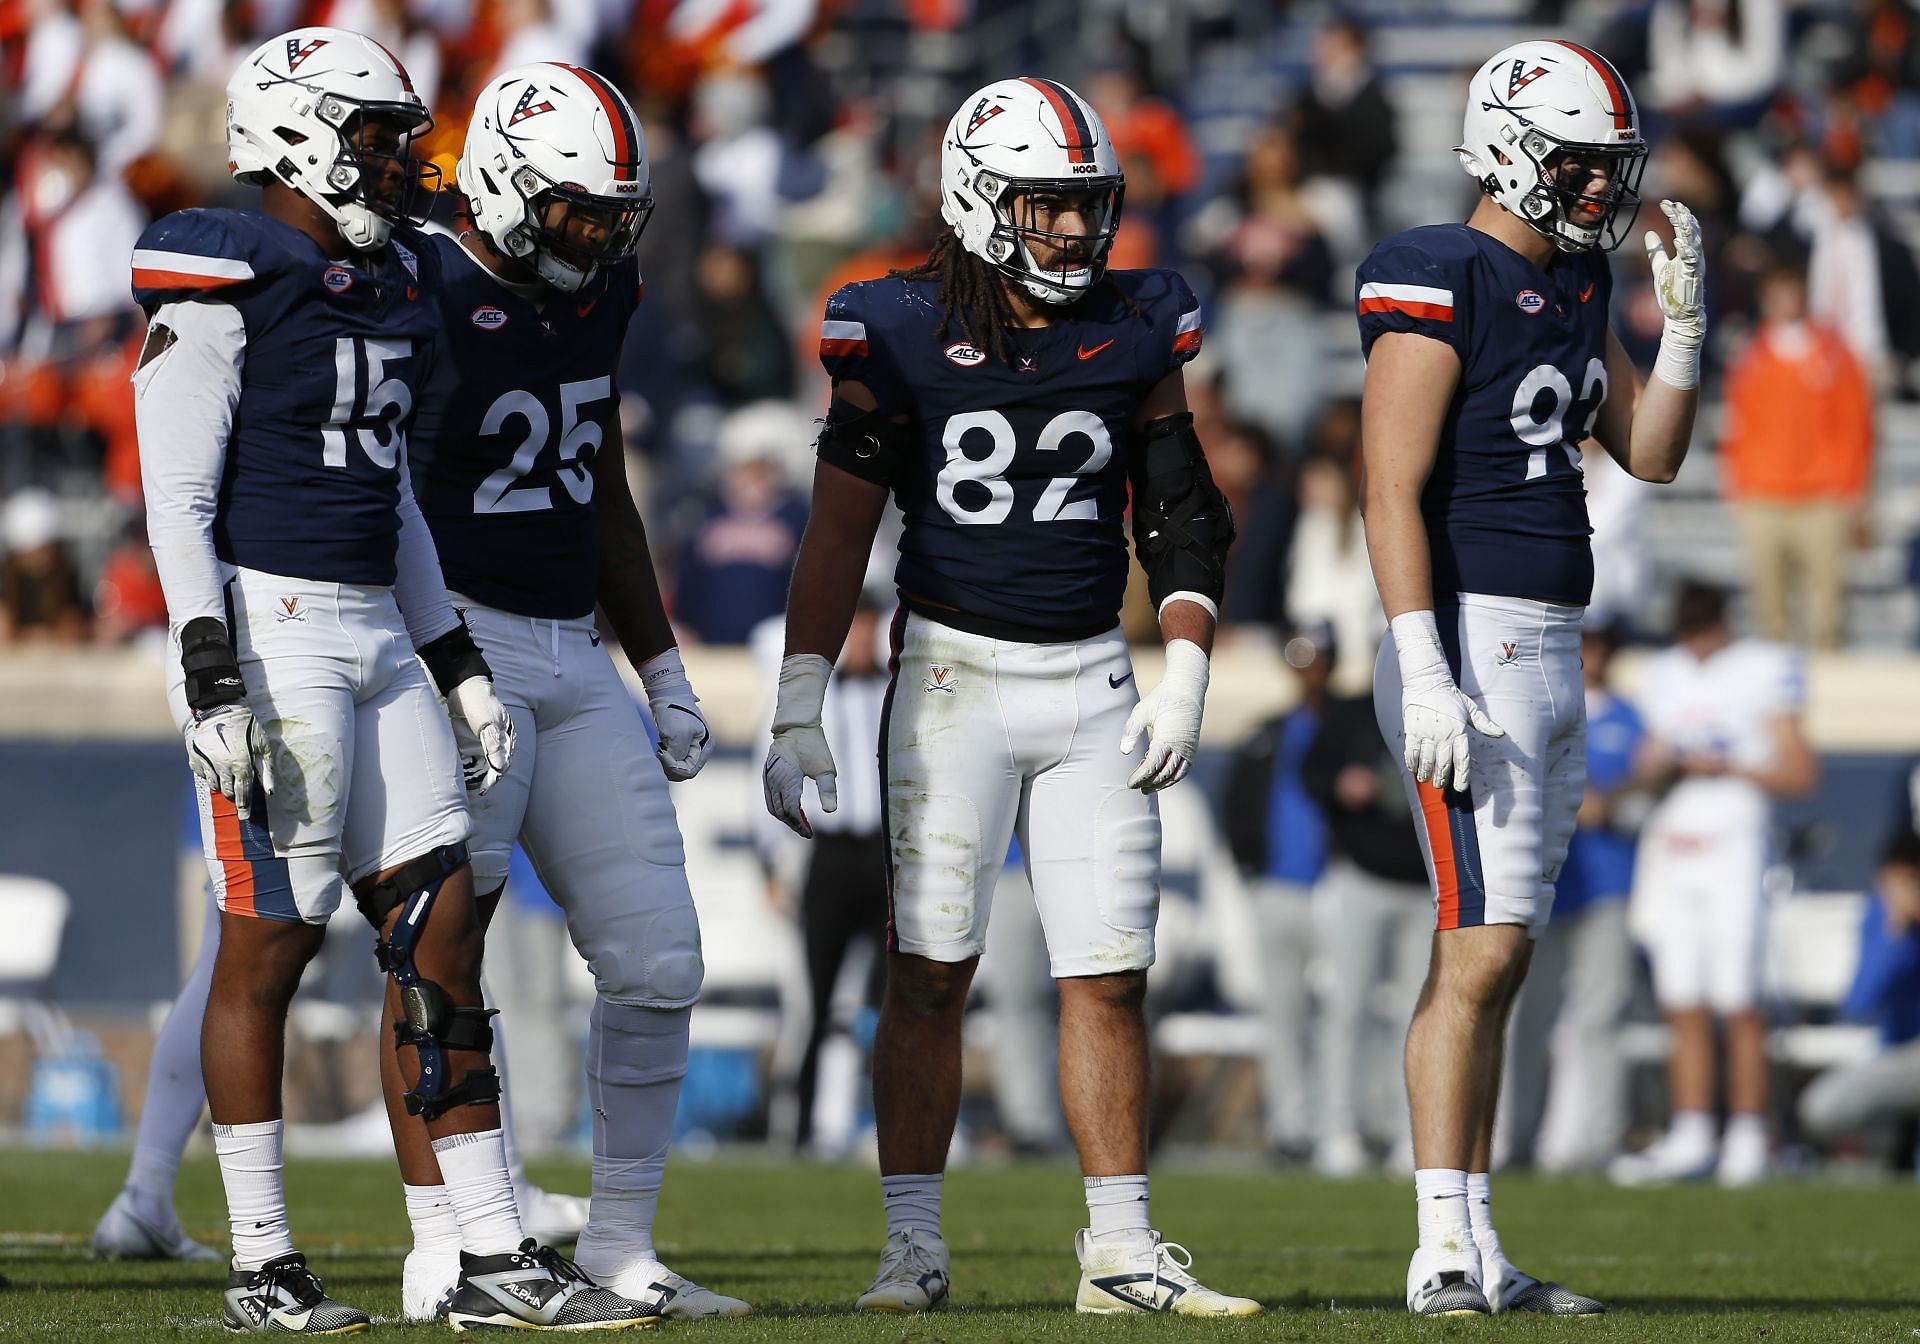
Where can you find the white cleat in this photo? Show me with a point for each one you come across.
(1341, 1157)
(642, 1278)
(126, 1232)
(1662, 1162)
(427, 1283)
(1446, 1284)
(1145, 1273)
(915, 1275)
(548, 1216)
(1743, 1159)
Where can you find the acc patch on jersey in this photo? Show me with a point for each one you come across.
(965, 354)
(489, 318)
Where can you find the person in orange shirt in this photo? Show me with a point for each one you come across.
(1796, 453)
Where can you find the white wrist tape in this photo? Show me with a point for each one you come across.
(1416, 641)
(1677, 363)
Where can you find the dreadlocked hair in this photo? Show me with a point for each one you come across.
(973, 295)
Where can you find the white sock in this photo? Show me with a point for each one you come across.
(1440, 1195)
(176, 1091)
(636, 1061)
(913, 1202)
(1116, 1207)
(474, 1166)
(1747, 1127)
(436, 1228)
(1480, 1213)
(250, 1167)
(1692, 1129)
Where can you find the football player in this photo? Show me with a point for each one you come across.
(285, 349)
(1723, 741)
(1489, 363)
(518, 464)
(1013, 394)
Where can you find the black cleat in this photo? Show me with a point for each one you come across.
(537, 1288)
(283, 1297)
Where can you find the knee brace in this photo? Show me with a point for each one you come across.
(429, 1020)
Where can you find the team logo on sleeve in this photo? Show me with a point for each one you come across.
(489, 318)
(965, 354)
(526, 107)
(1519, 76)
(338, 279)
(940, 679)
(982, 114)
(297, 52)
(1530, 301)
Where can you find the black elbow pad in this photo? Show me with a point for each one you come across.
(1182, 524)
(863, 443)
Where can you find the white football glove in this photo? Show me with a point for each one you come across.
(1434, 713)
(1679, 284)
(483, 731)
(799, 751)
(684, 736)
(227, 748)
(1170, 717)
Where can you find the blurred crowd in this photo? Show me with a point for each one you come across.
(794, 144)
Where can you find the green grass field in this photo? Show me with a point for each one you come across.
(1789, 1262)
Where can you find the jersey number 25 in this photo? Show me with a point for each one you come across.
(506, 490)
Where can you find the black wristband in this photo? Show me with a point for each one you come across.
(454, 657)
(213, 673)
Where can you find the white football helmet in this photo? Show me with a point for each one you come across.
(1544, 119)
(1012, 142)
(297, 109)
(555, 171)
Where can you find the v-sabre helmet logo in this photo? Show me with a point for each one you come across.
(1519, 76)
(526, 107)
(965, 355)
(297, 52)
(982, 114)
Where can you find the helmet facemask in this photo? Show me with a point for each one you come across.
(1561, 205)
(567, 233)
(1055, 266)
(374, 181)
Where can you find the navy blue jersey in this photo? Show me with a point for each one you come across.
(1505, 507)
(1015, 497)
(335, 354)
(503, 446)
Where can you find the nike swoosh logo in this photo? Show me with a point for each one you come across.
(582, 309)
(1587, 293)
(1089, 354)
(1118, 682)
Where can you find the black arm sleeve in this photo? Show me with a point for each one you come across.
(1182, 524)
(867, 444)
